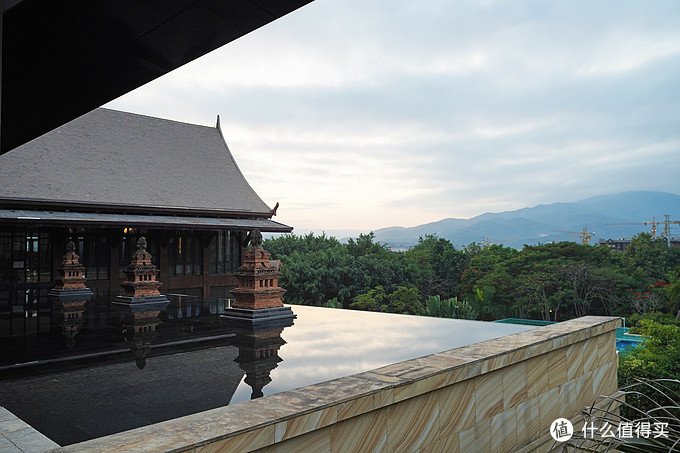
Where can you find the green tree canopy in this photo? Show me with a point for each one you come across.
(547, 281)
(440, 266)
(649, 260)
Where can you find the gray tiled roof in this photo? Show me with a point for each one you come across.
(112, 158)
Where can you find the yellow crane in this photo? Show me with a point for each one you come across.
(486, 242)
(653, 223)
(585, 235)
(667, 222)
(667, 227)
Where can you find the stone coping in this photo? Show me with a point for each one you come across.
(265, 421)
(17, 436)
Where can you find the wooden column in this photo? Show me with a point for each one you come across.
(58, 238)
(164, 236)
(114, 264)
(206, 237)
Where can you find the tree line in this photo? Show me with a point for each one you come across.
(552, 282)
(547, 281)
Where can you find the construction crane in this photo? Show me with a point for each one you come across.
(585, 235)
(653, 223)
(667, 222)
(667, 228)
(487, 243)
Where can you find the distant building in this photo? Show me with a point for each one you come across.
(109, 177)
(621, 244)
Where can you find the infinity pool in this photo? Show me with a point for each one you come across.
(117, 372)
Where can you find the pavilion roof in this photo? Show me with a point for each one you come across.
(113, 161)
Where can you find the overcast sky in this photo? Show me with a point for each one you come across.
(361, 114)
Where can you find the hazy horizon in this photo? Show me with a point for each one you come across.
(353, 233)
(362, 115)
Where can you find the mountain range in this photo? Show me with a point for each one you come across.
(552, 222)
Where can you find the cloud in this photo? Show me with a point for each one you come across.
(374, 113)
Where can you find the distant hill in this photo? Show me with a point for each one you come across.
(535, 225)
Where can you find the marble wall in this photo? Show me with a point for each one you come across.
(500, 395)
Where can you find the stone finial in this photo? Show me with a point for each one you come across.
(141, 256)
(70, 257)
(255, 238)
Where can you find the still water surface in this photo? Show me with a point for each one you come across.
(117, 370)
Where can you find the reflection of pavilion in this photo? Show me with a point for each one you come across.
(258, 351)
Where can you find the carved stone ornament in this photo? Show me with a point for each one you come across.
(142, 274)
(256, 238)
(71, 272)
(257, 278)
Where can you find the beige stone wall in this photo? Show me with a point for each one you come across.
(496, 396)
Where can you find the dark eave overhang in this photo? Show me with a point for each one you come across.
(62, 59)
(166, 222)
(115, 208)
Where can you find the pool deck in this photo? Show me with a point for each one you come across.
(17, 436)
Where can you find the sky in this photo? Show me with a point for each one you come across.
(364, 114)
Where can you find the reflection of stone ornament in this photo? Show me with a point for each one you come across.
(141, 302)
(69, 295)
(258, 353)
